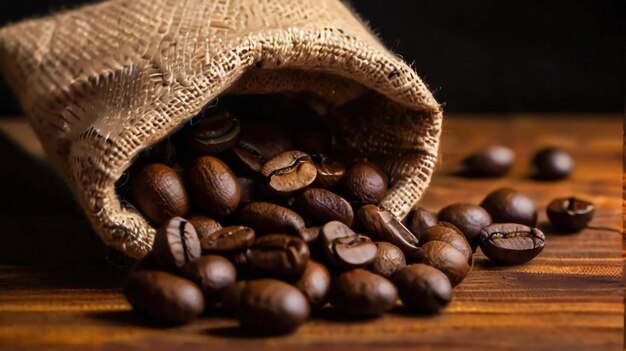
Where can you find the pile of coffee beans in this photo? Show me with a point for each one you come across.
(267, 220)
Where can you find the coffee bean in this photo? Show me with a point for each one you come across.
(506, 205)
(386, 227)
(163, 296)
(267, 306)
(289, 171)
(267, 218)
(450, 234)
(389, 259)
(351, 252)
(248, 187)
(264, 139)
(218, 132)
(325, 206)
(552, 164)
(148, 262)
(447, 259)
(365, 183)
(335, 230)
(422, 288)
(279, 255)
(470, 219)
(314, 283)
(214, 274)
(419, 220)
(228, 240)
(511, 243)
(570, 214)
(309, 235)
(245, 162)
(362, 293)
(204, 226)
(163, 152)
(344, 248)
(493, 161)
(159, 193)
(240, 261)
(213, 186)
(175, 244)
(329, 172)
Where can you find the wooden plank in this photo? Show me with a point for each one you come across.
(569, 298)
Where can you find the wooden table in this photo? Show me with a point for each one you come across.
(568, 298)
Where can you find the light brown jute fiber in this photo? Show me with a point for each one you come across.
(102, 82)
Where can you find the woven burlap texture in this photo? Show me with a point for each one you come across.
(102, 82)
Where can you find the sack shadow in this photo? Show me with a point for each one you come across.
(40, 221)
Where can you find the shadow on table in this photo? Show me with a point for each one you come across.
(40, 222)
(129, 318)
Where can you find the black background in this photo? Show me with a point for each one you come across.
(482, 55)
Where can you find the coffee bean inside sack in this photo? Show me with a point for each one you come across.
(282, 221)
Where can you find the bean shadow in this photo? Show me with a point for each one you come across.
(238, 332)
(131, 318)
(331, 314)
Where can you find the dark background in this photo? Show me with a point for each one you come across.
(482, 55)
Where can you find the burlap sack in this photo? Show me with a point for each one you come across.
(102, 82)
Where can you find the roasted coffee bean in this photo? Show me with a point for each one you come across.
(570, 214)
(335, 230)
(329, 172)
(552, 164)
(346, 249)
(362, 293)
(511, 243)
(164, 296)
(352, 252)
(389, 259)
(470, 219)
(365, 183)
(148, 262)
(289, 171)
(309, 235)
(419, 220)
(228, 240)
(204, 226)
(163, 152)
(386, 227)
(325, 206)
(267, 218)
(267, 306)
(213, 186)
(447, 259)
(218, 132)
(175, 244)
(214, 274)
(240, 261)
(248, 188)
(264, 139)
(245, 162)
(159, 193)
(510, 206)
(279, 255)
(493, 161)
(448, 233)
(314, 283)
(422, 288)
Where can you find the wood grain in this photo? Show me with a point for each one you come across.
(569, 298)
